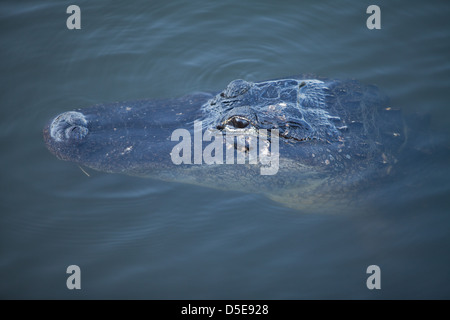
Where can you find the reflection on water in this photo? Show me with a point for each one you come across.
(143, 238)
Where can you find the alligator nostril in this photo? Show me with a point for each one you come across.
(70, 125)
(76, 132)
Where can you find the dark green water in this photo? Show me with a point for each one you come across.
(142, 238)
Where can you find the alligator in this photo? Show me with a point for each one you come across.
(332, 138)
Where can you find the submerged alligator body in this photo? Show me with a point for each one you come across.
(333, 137)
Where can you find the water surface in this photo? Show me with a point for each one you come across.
(147, 239)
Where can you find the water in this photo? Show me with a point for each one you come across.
(142, 238)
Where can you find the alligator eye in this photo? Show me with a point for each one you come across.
(239, 123)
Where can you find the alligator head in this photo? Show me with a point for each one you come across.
(313, 137)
